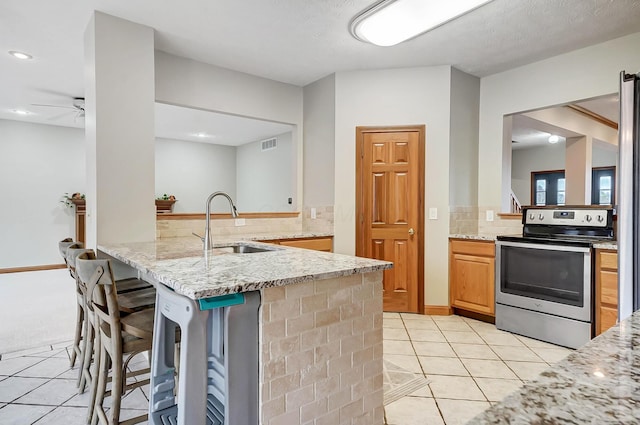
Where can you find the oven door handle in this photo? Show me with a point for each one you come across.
(547, 247)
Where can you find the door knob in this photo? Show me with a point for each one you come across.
(411, 231)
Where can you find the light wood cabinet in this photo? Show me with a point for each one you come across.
(318, 244)
(472, 275)
(606, 289)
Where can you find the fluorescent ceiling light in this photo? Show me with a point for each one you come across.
(553, 139)
(202, 135)
(20, 112)
(390, 22)
(20, 55)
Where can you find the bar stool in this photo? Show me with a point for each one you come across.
(133, 294)
(116, 336)
(76, 351)
(128, 302)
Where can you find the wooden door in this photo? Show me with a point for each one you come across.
(390, 210)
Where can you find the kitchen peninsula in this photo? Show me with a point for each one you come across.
(597, 384)
(319, 320)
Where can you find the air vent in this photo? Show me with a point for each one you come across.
(269, 144)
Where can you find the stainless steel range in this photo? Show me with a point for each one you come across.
(544, 279)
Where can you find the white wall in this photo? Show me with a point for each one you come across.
(264, 178)
(319, 142)
(388, 98)
(185, 82)
(580, 74)
(604, 154)
(463, 167)
(550, 157)
(38, 164)
(539, 158)
(119, 130)
(191, 171)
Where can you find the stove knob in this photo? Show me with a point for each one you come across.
(532, 216)
(588, 218)
(541, 216)
(600, 219)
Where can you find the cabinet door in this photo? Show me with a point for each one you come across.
(473, 283)
(608, 318)
(318, 244)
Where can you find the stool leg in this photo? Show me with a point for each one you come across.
(102, 371)
(87, 354)
(117, 383)
(80, 318)
(92, 377)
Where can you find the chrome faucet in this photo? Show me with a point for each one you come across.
(208, 244)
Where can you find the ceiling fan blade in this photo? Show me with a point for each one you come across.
(52, 106)
(54, 92)
(57, 117)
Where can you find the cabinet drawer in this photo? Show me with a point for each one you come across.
(487, 249)
(609, 287)
(319, 244)
(608, 260)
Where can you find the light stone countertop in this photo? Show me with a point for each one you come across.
(473, 237)
(180, 264)
(597, 384)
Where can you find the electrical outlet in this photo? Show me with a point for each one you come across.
(489, 215)
(313, 214)
(239, 222)
(433, 213)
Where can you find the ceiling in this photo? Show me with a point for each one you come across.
(194, 125)
(292, 41)
(528, 132)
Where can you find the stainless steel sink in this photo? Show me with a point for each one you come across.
(243, 249)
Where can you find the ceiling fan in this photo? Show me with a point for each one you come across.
(77, 108)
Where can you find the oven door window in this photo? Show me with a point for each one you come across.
(556, 276)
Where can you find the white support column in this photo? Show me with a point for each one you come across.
(578, 170)
(119, 127)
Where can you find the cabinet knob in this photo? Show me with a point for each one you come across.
(411, 231)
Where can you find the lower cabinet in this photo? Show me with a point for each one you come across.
(317, 244)
(472, 275)
(606, 289)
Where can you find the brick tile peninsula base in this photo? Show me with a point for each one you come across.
(321, 348)
(319, 325)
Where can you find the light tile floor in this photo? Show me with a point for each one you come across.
(469, 364)
(37, 386)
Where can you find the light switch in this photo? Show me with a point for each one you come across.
(313, 214)
(433, 213)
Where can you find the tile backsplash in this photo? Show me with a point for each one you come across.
(471, 220)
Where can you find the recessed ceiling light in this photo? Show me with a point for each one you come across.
(390, 22)
(20, 55)
(598, 374)
(21, 112)
(202, 135)
(553, 139)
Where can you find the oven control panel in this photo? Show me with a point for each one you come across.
(592, 217)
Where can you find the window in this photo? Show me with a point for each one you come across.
(548, 188)
(603, 185)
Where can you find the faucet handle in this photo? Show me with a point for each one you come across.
(198, 236)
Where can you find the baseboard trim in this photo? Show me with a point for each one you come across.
(437, 310)
(473, 315)
(33, 268)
